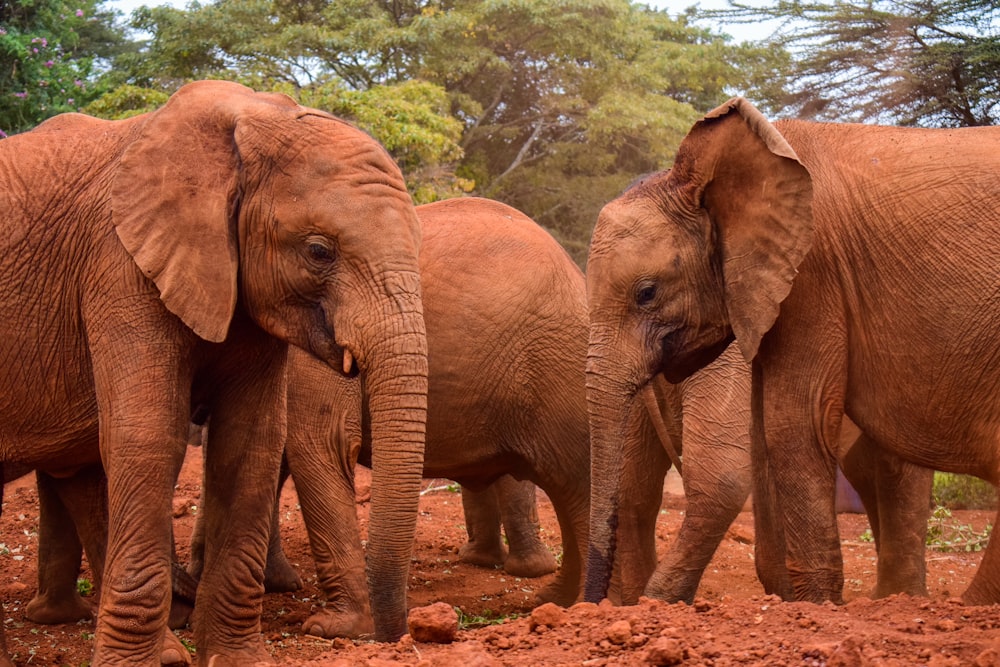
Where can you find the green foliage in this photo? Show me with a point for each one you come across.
(50, 54)
(894, 61)
(944, 533)
(552, 106)
(488, 617)
(963, 492)
(188, 644)
(84, 587)
(411, 119)
(126, 101)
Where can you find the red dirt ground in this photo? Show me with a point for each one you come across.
(731, 623)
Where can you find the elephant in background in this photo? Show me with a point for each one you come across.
(510, 503)
(853, 266)
(505, 308)
(169, 261)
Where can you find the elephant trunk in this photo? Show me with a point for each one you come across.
(395, 384)
(609, 403)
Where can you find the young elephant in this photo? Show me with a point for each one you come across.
(505, 307)
(172, 258)
(855, 266)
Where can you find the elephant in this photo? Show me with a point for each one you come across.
(170, 260)
(510, 503)
(852, 267)
(505, 311)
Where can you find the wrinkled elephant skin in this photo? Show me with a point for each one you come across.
(504, 306)
(855, 268)
(168, 260)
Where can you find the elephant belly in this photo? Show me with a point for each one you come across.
(48, 410)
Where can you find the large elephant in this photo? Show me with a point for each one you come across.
(854, 266)
(506, 317)
(168, 260)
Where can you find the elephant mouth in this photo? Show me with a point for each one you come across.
(680, 358)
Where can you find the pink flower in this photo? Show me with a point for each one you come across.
(3, 135)
(49, 64)
(79, 12)
(21, 95)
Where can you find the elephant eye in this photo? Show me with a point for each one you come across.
(320, 252)
(645, 294)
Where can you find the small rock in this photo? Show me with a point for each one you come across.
(619, 632)
(664, 651)
(549, 614)
(701, 605)
(436, 623)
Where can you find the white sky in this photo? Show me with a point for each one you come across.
(739, 32)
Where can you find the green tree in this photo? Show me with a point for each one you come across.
(908, 62)
(566, 102)
(552, 106)
(50, 54)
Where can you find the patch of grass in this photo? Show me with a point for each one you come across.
(963, 492)
(188, 644)
(85, 587)
(466, 622)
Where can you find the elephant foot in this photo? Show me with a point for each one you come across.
(483, 555)
(672, 585)
(980, 593)
(280, 576)
(173, 652)
(533, 562)
(180, 613)
(52, 610)
(328, 624)
(558, 592)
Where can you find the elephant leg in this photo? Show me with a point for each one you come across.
(798, 436)
(985, 586)
(242, 460)
(60, 555)
(896, 496)
(142, 450)
(528, 557)
(716, 485)
(568, 487)
(711, 411)
(485, 547)
(279, 575)
(322, 453)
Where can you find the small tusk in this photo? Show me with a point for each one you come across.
(348, 361)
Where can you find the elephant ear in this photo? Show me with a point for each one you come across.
(175, 198)
(759, 198)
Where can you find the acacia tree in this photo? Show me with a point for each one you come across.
(908, 62)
